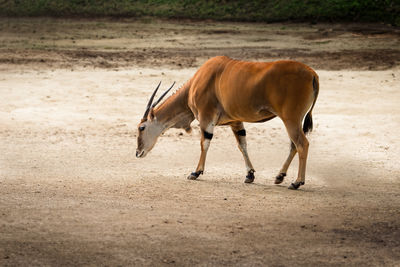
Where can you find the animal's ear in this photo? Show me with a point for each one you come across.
(151, 114)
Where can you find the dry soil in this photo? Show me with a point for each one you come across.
(73, 193)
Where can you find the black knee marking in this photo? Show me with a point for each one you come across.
(241, 132)
(207, 135)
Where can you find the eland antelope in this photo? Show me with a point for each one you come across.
(229, 92)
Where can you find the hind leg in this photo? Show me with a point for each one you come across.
(282, 173)
(300, 141)
(240, 134)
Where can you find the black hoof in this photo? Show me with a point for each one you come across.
(295, 185)
(279, 178)
(249, 177)
(194, 175)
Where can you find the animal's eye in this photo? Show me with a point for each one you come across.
(141, 128)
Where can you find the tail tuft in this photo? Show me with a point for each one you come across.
(308, 123)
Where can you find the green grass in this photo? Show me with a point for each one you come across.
(387, 11)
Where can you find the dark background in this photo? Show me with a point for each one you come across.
(386, 11)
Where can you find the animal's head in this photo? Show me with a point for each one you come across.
(149, 128)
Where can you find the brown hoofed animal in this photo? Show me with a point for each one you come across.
(229, 92)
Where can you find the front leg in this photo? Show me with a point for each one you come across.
(240, 134)
(206, 136)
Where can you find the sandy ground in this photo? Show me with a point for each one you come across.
(73, 193)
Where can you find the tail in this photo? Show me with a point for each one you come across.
(308, 122)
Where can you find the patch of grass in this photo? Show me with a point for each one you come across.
(387, 11)
(322, 42)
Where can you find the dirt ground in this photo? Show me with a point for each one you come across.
(73, 193)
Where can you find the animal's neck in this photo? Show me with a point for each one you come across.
(174, 112)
